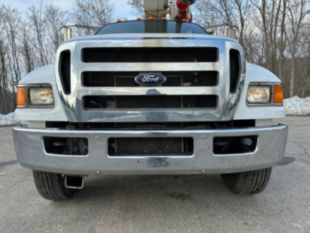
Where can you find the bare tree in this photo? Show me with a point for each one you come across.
(138, 5)
(243, 8)
(269, 12)
(11, 28)
(3, 78)
(297, 12)
(3, 66)
(54, 19)
(92, 13)
(38, 25)
(27, 51)
(282, 41)
(229, 12)
(253, 43)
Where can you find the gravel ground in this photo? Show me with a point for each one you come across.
(161, 203)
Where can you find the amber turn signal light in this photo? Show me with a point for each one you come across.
(21, 97)
(278, 94)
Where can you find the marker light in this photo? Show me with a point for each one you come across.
(278, 94)
(21, 97)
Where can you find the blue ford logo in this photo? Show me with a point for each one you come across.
(150, 79)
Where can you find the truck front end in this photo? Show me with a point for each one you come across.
(155, 102)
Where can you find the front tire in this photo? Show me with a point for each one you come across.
(245, 183)
(51, 186)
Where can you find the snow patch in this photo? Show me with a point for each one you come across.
(8, 119)
(297, 106)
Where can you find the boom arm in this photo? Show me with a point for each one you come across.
(157, 8)
(176, 9)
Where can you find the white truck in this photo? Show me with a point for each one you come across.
(149, 97)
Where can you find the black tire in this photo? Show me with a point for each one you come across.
(51, 186)
(244, 183)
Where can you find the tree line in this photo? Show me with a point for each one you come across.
(274, 33)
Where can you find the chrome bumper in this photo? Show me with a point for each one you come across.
(31, 153)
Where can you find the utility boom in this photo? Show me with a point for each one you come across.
(174, 9)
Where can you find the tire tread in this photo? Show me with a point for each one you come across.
(250, 182)
(51, 186)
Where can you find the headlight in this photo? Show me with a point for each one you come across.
(259, 94)
(41, 96)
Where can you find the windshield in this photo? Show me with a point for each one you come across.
(152, 26)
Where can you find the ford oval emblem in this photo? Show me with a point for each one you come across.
(150, 79)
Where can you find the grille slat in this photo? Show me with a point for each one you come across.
(138, 91)
(150, 67)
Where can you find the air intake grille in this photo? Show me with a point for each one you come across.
(64, 71)
(235, 69)
(151, 146)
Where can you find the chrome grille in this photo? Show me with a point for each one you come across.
(119, 99)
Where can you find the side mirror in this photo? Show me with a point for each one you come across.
(67, 33)
(231, 32)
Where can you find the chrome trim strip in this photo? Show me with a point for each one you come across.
(136, 91)
(156, 115)
(148, 67)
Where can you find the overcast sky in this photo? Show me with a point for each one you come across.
(121, 8)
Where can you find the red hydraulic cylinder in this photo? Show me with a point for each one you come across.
(184, 13)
